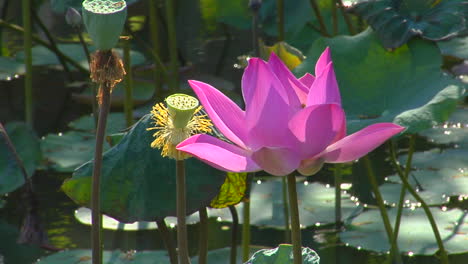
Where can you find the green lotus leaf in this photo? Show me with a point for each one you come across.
(10, 68)
(232, 191)
(83, 256)
(396, 23)
(367, 231)
(137, 184)
(283, 255)
(453, 132)
(405, 86)
(11, 251)
(456, 47)
(26, 144)
(316, 206)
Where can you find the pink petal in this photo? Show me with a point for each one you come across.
(360, 143)
(308, 79)
(323, 61)
(297, 91)
(324, 90)
(277, 161)
(218, 154)
(224, 113)
(315, 127)
(267, 106)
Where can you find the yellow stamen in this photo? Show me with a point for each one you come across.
(167, 136)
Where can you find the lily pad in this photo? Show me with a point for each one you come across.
(456, 159)
(453, 132)
(222, 256)
(132, 174)
(43, 56)
(83, 215)
(283, 254)
(397, 21)
(27, 147)
(66, 151)
(316, 205)
(457, 47)
(405, 86)
(83, 256)
(416, 236)
(10, 67)
(11, 251)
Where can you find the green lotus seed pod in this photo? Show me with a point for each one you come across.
(104, 21)
(181, 107)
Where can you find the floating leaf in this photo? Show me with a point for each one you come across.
(283, 254)
(11, 251)
(405, 86)
(454, 131)
(395, 23)
(457, 47)
(137, 184)
(367, 231)
(10, 67)
(27, 147)
(232, 191)
(83, 256)
(316, 205)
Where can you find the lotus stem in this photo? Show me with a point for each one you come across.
(443, 253)
(235, 227)
(394, 252)
(128, 103)
(96, 217)
(287, 230)
(182, 244)
(27, 47)
(246, 219)
(346, 17)
(172, 43)
(155, 41)
(256, 46)
(295, 225)
(280, 10)
(334, 18)
(45, 44)
(168, 241)
(323, 28)
(224, 50)
(203, 241)
(337, 175)
(401, 174)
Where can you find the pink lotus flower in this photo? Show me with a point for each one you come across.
(287, 124)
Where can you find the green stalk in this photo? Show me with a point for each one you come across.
(235, 227)
(203, 241)
(27, 47)
(346, 17)
(45, 44)
(403, 187)
(442, 251)
(280, 9)
(96, 218)
(337, 175)
(128, 103)
(323, 28)
(155, 41)
(394, 252)
(246, 219)
(295, 225)
(334, 18)
(181, 213)
(287, 230)
(167, 240)
(256, 46)
(172, 42)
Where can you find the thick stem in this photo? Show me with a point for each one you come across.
(346, 17)
(323, 28)
(334, 17)
(295, 225)
(246, 219)
(224, 51)
(280, 10)
(235, 228)
(182, 244)
(168, 241)
(155, 41)
(172, 43)
(128, 103)
(256, 46)
(394, 252)
(403, 187)
(96, 218)
(203, 241)
(337, 175)
(27, 47)
(287, 229)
